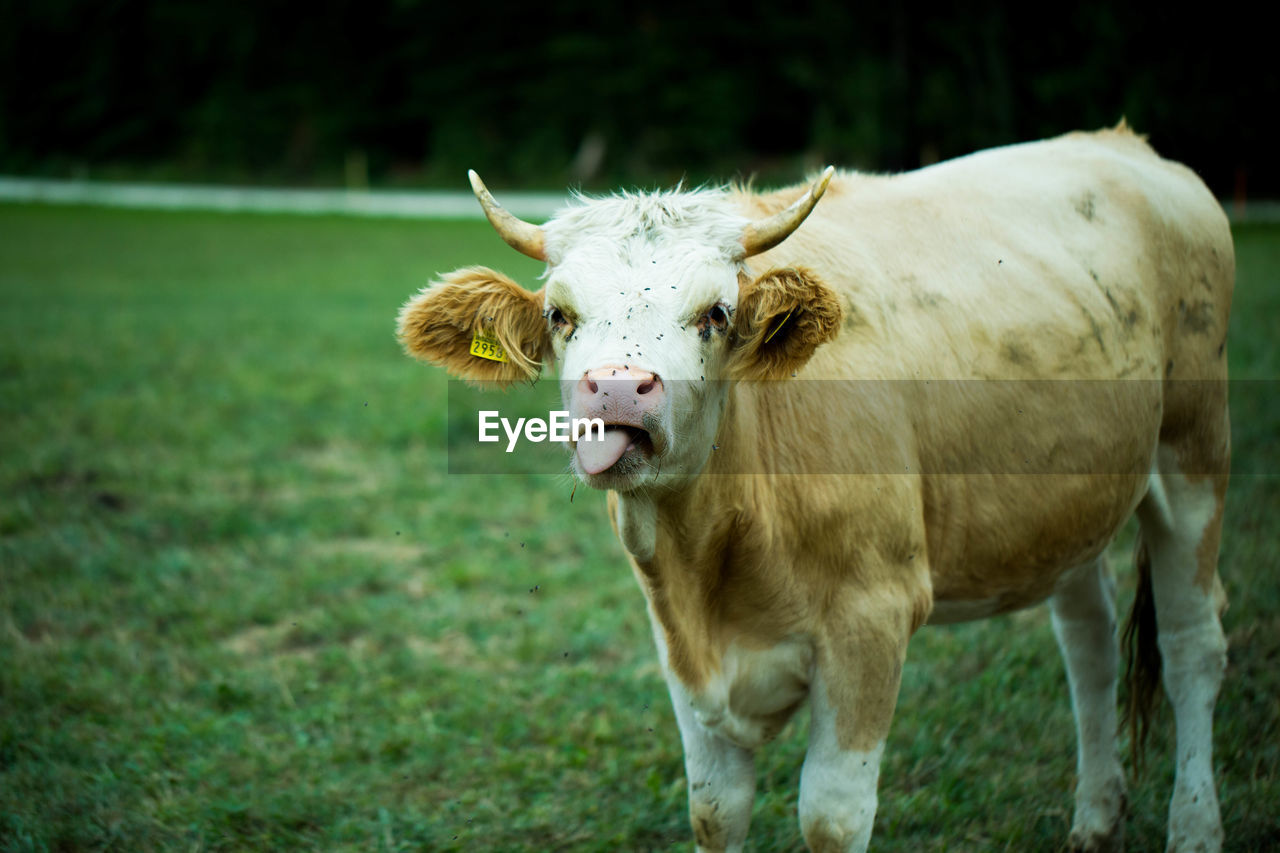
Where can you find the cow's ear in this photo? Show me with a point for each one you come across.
(441, 323)
(782, 317)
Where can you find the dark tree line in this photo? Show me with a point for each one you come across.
(540, 94)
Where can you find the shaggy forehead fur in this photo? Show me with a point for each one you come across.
(703, 220)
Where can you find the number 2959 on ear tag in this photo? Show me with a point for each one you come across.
(486, 347)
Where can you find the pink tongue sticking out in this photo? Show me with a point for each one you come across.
(596, 455)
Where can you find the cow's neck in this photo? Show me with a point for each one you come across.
(697, 551)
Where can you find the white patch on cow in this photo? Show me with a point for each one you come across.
(1084, 623)
(634, 267)
(1192, 646)
(635, 273)
(837, 786)
(743, 700)
(949, 612)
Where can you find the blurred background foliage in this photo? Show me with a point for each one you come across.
(413, 92)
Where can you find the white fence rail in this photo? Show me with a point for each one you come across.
(410, 205)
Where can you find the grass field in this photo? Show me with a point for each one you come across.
(243, 606)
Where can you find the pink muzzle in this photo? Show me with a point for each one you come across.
(621, 396)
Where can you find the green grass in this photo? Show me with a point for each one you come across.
(243, 605)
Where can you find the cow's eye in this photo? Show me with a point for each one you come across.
(557, 318)
(714, 319)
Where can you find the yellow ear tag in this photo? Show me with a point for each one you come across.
(777, 327)
(483, 346)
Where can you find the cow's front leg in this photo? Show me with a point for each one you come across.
(851, 697)
(722, 779)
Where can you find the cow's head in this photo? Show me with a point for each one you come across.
(650, 312)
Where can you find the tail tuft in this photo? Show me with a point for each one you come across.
(1143, 663)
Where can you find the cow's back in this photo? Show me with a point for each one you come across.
(1059, 259)
(1036, 309)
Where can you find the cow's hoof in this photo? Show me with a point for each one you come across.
(1111, 841)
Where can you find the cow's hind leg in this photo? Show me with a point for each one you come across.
(1181, 525)
(1084, 622)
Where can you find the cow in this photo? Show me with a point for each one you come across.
(936, 396)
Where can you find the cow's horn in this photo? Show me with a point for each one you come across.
(524, 237)
(765, 234)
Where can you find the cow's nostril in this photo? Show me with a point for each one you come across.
(592, 387)
(650, 384)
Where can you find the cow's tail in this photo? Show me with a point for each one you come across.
(1142, 670)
